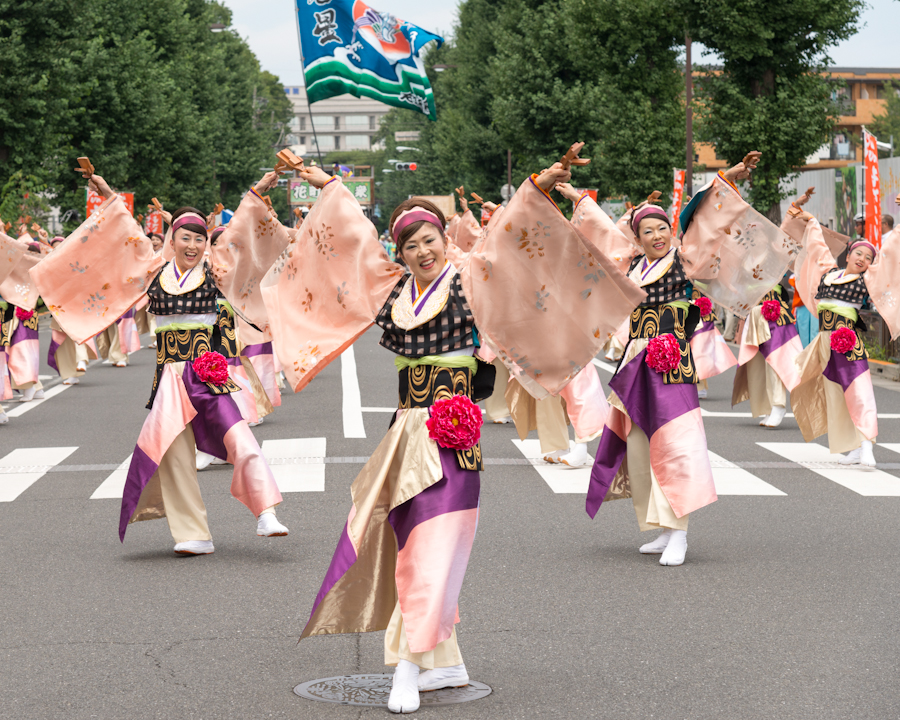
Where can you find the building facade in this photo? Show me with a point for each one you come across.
(860, 101)
(344, 122)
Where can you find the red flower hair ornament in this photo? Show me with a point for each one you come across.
(455, 423)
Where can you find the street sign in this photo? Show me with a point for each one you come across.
(302, 193)
(507, 191)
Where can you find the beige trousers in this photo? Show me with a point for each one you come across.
(396, 648)
(765, 387)
(650, 503)
(551, 424)
(495, 406)
(180, 490)
(109, 340)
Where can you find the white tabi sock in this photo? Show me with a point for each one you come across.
(405, 688)
(676, 549)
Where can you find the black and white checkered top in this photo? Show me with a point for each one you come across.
(672, 286)
(450, 329)
(852, 292)
(199, 301)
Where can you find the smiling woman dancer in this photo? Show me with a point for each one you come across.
(190, 403)
(835, 394)
(654, 446)
(402, 556)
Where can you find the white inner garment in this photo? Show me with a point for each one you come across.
(202, 318)
(455, 353)
(842, 303)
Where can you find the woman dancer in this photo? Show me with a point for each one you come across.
(190, 403)
(654, 446)
(402, 556)
(835, 394)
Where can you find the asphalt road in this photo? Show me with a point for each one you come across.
(786, 607)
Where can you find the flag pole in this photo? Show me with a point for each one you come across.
(312, 121)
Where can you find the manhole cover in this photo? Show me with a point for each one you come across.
(374, 690)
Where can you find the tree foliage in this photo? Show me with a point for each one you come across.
(887, 124)
(769, 94)
(161, 105)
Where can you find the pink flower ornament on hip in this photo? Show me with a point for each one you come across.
(211, 367)
(455, 423)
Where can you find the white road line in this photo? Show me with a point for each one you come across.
(379, 409)
(867, 482)
(114, 485)
(36, 462)
(305, 475)
(710, 413)
(560, 478)
(605, 366)
(23, 408)
(732, 480)
(352, 403)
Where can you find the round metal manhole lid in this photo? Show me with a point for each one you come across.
(374, 691)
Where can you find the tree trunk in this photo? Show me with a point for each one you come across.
(774, 213)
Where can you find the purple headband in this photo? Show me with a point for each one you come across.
(645, 212)
(412, 215)
(57, 239)
(190, 219)
(867, 244)
(214, 235)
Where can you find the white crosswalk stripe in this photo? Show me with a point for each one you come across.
(114, 485)
(27, 466)
(307, 471)
(24, 407)
(733, 480)
(352, 400)
(561, 478)
(869, 482)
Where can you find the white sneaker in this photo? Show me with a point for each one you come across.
(195, 547)
(444, 677)
(404, 688)
(553, 457)
(71, 381)
(866, 457)
(775, 418)
(657, 546)
(268, 526)
(81, 365)
(576, 457)
(28, 395)
(258, 422)
(501, 421)
(675, 551)
(851, 458)
(701, 393)
(4, 418)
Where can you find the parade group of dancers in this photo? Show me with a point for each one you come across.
(511, 314)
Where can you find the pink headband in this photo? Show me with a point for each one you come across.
(867, 244)
(412, 215)
(645, 212)
(190, 219)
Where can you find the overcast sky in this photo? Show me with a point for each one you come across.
(271, 29)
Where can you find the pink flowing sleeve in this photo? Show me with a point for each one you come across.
(544, 300)
(733, 254)
(327, 286)
(18, 287)
(452, 227)
(98, 272)
(11, 252)
(815, 258)
(468, 232)
(605, 235)
(244, 253)
(883, 283)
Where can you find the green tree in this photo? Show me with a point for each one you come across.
(887, 124)
(769, 94)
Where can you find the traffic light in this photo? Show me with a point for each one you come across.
(407, 166)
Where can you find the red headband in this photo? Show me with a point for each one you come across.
(412, 215)
(190, 219)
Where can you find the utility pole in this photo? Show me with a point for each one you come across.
(689, 116)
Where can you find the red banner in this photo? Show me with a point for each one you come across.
(873, 189)
(485, 216)
(677, 197)
(94, 201)
(153, 223)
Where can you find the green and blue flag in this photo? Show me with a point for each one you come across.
(350, 48)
